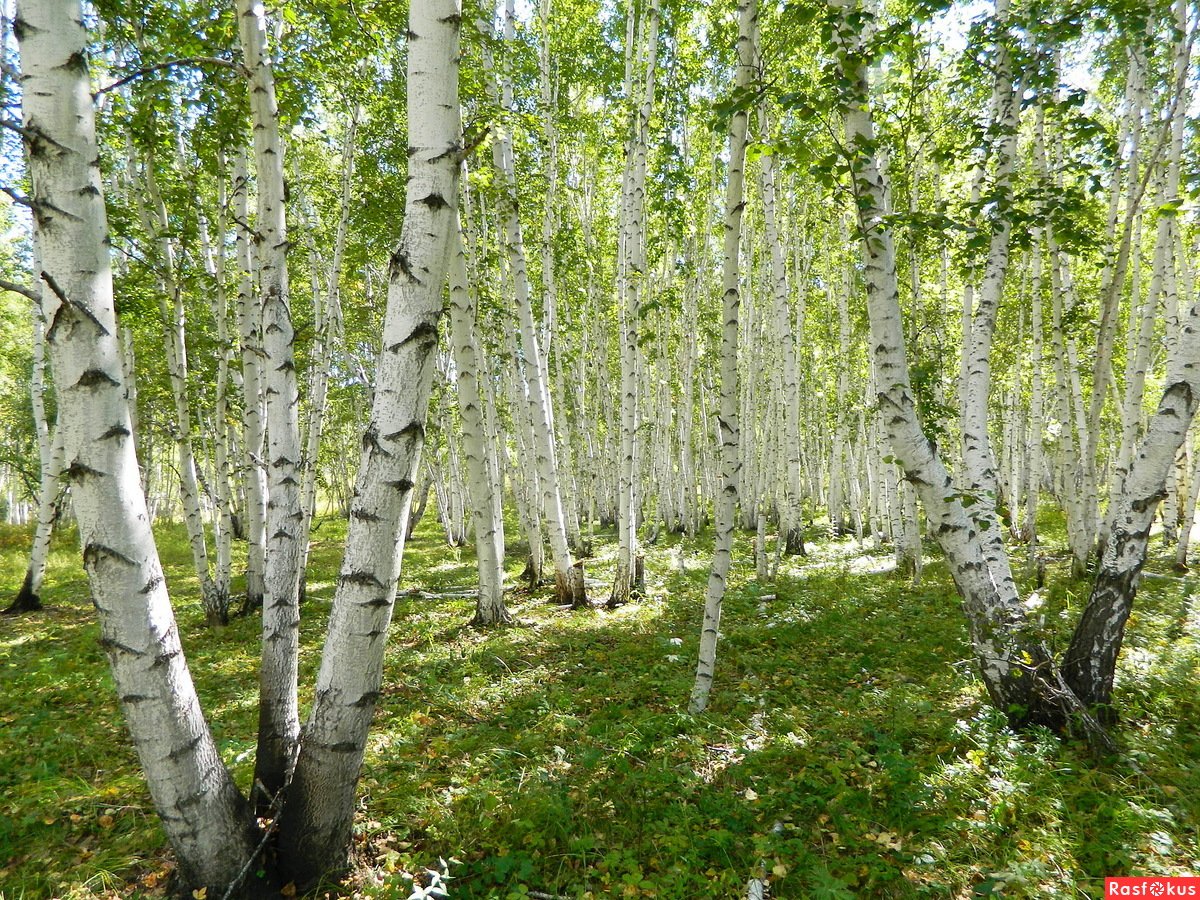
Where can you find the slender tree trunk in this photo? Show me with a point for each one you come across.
(278, 713)
(569, 588)
(315, 829)
(50, 456)
(249, 319)
(728, 418)
(641, 63)
(206, 819)
(485, 502)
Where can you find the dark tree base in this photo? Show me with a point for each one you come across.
(26, 600)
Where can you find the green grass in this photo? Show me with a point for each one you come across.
(848, 750)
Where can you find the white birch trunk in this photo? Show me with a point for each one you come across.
(249, 320)
(485, 501)
(205, 817)
(278, 713)
(315, 833)
(728, 417)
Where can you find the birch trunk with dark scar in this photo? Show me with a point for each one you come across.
(205, 817)
(1090, 661)
(727, 421)
(315, 828)
(278, 713)
(1015, 666)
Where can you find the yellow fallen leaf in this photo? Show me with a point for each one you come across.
(289, 889)
(200, 893)
(750, 794)
(106, 821)
(49, 820)
(779, 870)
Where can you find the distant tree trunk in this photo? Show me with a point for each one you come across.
(205, 817)
(568, 587)
(728, 417)
(315, 830)
(641, 60)
(50, 456)
(327, 322)
(278, 713)
(157, 224)
(485, 502)
(249, 319)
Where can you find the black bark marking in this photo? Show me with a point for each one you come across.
(364, 516)
(426, 333)
(94, 552)
(151, 584)
(66, 301)
(111, 646)
(77, 471)
(434, 201)
(116, 431)
(185, 748)
(135, 698)
(96, 378)
(399, 263)
(370, 698)
(364, 578)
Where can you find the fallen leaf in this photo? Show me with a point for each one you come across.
(106, 821)
(750, 794)
(200, 893)
(779, 870)
(289, 889)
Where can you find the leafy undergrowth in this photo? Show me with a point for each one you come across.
(847, 751)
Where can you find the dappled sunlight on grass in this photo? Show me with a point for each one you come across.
(848, 748)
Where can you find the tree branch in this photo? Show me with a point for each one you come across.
(170, 64)
(20, 289)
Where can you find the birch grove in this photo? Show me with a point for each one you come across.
(758, 290)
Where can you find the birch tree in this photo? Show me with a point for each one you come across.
(727, 419)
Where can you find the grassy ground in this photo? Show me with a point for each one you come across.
(847, 751)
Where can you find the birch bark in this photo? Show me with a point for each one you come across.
(727, 420)
(315, 828)
(205, 817)
(278, 713)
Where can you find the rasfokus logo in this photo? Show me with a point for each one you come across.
(1152, 887)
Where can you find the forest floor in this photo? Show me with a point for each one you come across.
(848, 751)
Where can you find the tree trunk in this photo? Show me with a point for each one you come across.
(205, 817)
(315, 829)
(747, 51)
(278, 713)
